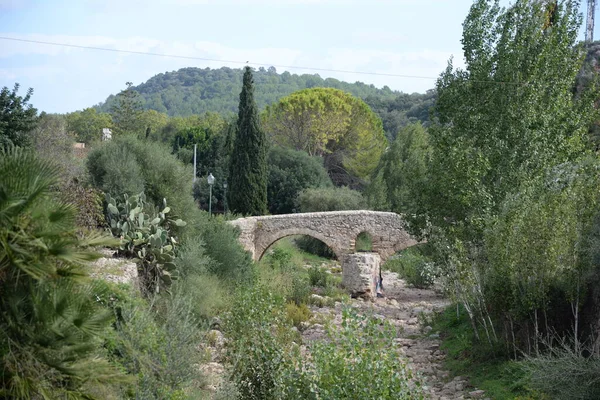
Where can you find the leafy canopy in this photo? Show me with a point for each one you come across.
(325, 121)
(17, 118)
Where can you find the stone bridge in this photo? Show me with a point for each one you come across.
(337, 229)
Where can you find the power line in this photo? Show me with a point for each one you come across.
(215, 59)
(144, 53)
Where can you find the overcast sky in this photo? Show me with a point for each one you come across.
(400, 37)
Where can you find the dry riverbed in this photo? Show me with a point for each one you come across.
(409, 310)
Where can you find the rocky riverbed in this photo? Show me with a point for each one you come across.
(409, 310)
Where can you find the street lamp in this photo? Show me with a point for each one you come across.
(225, 195)
(211, 182)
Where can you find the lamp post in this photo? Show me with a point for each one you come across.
(211, 181)
(225, 195)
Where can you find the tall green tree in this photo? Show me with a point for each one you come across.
(87, 124)
(505, 122)
(248, 166)
(17, 118)
(510, 114)
(329, 123)
(127, 111)
(402, 172)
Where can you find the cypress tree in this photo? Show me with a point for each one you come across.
(248, 166)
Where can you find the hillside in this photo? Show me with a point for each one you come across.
(195, 90)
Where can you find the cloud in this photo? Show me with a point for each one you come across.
(76, 77)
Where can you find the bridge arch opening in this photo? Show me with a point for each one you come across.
(311, 237)
(363, 242)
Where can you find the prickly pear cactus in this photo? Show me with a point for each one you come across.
(146, 237)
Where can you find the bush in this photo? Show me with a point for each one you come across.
(565, 373)
(297, 313)
(291, 171)
(330, 199)
(415, 268)
(52, 327)
(345, 366)
(318, 276)
(128, 165)
(158, 348)
(259, 347)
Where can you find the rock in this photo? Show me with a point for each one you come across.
(427, 329)
(477, 394)
(360, 274)
(115, 270)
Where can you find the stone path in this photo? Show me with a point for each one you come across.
(409, 309)
(406, 308)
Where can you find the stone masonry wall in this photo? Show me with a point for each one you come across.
(337, 229)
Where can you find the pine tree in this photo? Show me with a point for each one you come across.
(248, 167)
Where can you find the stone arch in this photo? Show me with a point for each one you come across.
(265, 242)
(367, 235)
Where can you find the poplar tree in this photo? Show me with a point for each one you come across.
(248, 167)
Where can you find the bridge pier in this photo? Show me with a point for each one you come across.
(360, 274)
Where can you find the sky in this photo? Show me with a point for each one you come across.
(412, 38)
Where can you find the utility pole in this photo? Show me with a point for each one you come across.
(194, 180)
(589, 29)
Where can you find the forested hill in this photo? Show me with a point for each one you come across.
(195, 90)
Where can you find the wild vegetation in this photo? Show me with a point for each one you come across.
(500, 178)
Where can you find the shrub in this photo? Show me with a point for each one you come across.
(330, 199)
(345, 366)
(565, 373)
(159, 348)
(318, 276)
(297, 313)
(52, 327)
(413, 267)
(128, 165)
(259, 344)
(291, 171)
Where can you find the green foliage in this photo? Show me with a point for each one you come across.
(190, 91)
(52, 327)
(259, 347)
(314, 246)
(401, 110)
(414, 267)
(330, 199)
(509, 115)
(230, 261)
(290, 172)
(126, 165)
(157, 345)
(402, 173)
(555, 217)
(248, 166)
(297, 313)
(17, 118)
(148, 237)
(487, 368)
(565, 372)
(318, 276)
(87, 125)
(324, 121)
(344, 367)
(126, 111)
(364, 242)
